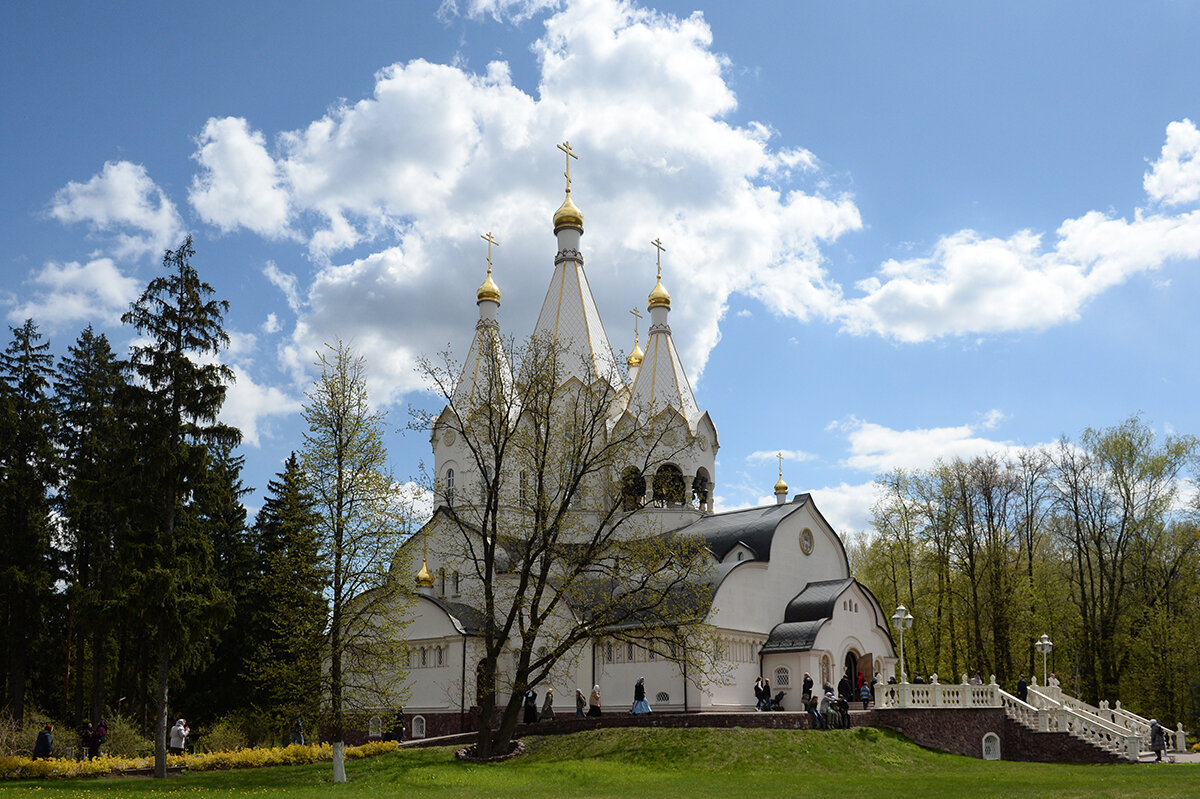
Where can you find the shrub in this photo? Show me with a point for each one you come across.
(224, 735)
(125, 740)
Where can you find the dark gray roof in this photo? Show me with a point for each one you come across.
(753, 527)
(469, 619)
(816, 600)
(805, 615)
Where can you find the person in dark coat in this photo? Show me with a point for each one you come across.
(580, 704)
(806, 690)
(98, 738)
(548, 706)
(297, 733)
(1157, 740)
(1022, 689)
(44, 743)
(531, 709)
(844, 686)
(758, 693)
(640, 705)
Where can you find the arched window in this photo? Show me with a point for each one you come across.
(523, 488)
(608, 653)
(423, 657)
(438, 656)
(442, 581)
(418, 727)
(783, 677)
(700, 486)
(457, 583)
(633, 489)
(449, 486)
(825, 670)
(668, 485)
(375, 727)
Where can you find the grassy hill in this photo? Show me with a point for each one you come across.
(665, 763)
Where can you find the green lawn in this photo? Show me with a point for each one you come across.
(661, 764)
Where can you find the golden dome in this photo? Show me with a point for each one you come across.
(781, 487)
(424, 577)
(488, 291)
(568, 215)
(658, 297)
(635, 357)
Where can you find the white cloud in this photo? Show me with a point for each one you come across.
(1175, 177)
(285, 282)
(240, 185)
(794, 455)
(970, 284)
(249, 406)
(877, 449)
(847, 507)
(271, 324)
(71, 292)
(122, 197)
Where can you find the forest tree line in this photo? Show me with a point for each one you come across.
(1091, 541)
(130, 577)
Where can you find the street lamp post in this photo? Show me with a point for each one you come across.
(1044, 645)
(902, 620)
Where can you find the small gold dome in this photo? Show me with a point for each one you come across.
(424, 577)
(635, 357)
(568, 215)
(488, 291)
(781, 487)
(658, 297)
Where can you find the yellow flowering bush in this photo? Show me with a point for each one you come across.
(24, 768)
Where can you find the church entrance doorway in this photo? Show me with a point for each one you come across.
(851, 675)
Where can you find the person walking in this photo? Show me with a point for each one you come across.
(594, 701)
(177, 741)
(548, 706)
(531, 711)
(1022, 689)
(580, 704)
(98, 738)
(297, 734)
(1157, 740)
(758, 693)
(864, 693)
(44, 743)
(766, 694)
(640, 705)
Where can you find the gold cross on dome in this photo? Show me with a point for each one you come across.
(636, 316)
(780, 456)
(658, 245)
(488, 238)
(566, 148)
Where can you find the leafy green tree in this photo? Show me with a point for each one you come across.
(172, 586)
(363, 516)
(287, 611)
(29, 470)
(91, 392)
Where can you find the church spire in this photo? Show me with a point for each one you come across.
(569, 321)
(660, 380)
(486, 360)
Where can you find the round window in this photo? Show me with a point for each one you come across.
(806, 541)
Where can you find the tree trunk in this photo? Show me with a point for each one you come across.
(160, 700)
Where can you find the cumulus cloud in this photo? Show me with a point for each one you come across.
(240, 185)
(70, 292)
(875, 448)
(249, 406)
(122, 200)
(438, 154)
(1175, 177)
(285, 282)
(971, 284)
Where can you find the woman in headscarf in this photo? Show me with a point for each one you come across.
(580, 704)
(548, 706)
(594, 701)
(640, 705)
(531, 706)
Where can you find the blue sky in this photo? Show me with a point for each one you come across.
(893, 233)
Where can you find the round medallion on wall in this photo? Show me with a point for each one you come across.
(806, 541)
(703, 442)
(449, 438)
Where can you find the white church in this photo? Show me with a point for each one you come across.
(783, 601)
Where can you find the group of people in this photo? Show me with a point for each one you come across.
(91, 738)
(585, 706)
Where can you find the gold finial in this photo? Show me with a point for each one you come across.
(425, 577)
(635, 357)
(659, 296)
(489, 290)
(567, 214)
(781, 487)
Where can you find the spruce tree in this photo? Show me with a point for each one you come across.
(93, 503)
(288, 609)
(28, 473)
(173, 588)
